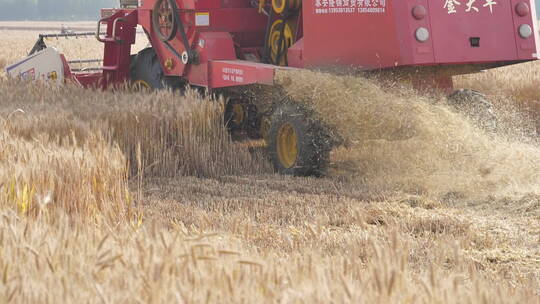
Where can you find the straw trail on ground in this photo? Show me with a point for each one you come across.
(402, 141)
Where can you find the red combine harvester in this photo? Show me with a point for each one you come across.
(223, 45)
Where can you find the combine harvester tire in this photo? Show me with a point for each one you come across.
(298, 144)
(147, 74)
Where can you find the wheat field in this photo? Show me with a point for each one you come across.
(142, 197)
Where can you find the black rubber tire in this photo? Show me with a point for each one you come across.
(476, 107)
(251, 122)
(145, 66)
(313, 144)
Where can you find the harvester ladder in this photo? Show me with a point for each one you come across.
(120, 35)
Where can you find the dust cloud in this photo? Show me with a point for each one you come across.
(395, 139)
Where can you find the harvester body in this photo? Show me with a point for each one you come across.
(370, 35)
(397, 33)
(225, 43)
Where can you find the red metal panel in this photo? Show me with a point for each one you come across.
(295, 55)
(210, 46)
(412, 51)
(237, 72)
(526, 48)
(369, 34)
(198, 75)
(455, 22)
(350, 32)
(244, 23)
(235, 20)
(215, 46)
(379, 34)
(208, 4)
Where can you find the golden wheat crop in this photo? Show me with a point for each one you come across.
(143, 197)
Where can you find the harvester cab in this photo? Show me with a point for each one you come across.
(224, 45)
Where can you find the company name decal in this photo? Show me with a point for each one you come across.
(468, 6)
(350, 6)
